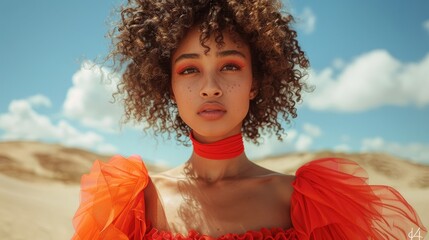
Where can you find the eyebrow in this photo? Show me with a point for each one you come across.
(225, 53)
(187, 56)
(230, 53)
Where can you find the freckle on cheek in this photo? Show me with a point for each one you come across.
(232, 87)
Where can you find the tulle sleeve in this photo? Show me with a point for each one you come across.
(112, 201)
(332, 200)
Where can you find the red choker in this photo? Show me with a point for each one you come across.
(224, 149)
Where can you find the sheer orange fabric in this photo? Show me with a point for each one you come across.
(111, 201)
(331, 200)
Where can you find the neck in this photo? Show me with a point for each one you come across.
(211, 171)
(223, 149)
(219, 160)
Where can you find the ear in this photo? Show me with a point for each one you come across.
(172, 97)
(252, 95)
(253, 91)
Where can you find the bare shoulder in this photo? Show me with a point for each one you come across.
(277, 189)
(284, 186)
(158, 183)
(280, 183)
(154, 180)
(167, 177)
(162, 179)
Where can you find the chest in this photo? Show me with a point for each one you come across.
(228, 207)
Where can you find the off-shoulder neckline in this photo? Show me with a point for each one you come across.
(275, 232)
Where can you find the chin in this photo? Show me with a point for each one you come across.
(217, 132)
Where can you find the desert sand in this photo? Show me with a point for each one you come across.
(39, 184)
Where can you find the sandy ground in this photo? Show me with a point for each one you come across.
(39, 190)
(36, 210)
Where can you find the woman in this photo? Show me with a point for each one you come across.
(215, 72)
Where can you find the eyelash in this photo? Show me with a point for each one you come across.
(232, 65)
(186, 70)
(190, 70)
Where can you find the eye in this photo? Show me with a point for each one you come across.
(231, 67)
(188, 70)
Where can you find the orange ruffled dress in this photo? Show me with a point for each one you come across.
(331, 200)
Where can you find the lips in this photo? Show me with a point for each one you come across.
(211, 111)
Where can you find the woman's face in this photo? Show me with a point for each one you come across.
(212, 90)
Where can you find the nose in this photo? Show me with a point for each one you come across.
(211, 87)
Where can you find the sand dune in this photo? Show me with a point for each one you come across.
(39, 184)
(41, 162)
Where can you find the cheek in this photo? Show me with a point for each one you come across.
(183, 97)
(239, 94)
(240, 90)
(180, 90)
(183, 93)
(231, 88)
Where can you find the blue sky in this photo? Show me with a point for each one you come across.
(370, 67)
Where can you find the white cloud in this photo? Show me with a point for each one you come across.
(338, 63)
(106, 149)
(292, 141)
(426, 25)
(372, 143)
(306, 20)
(312, 130)
(270, 145)
(303, 143)
(89, 100)
(345, 138)
(305, 139)
(22, 122)
(39, 100)
(372, 80)
(342, 148)
(418, 152)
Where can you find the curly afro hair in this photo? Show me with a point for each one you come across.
(149, 31)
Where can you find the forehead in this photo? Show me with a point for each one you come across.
(192, 43)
